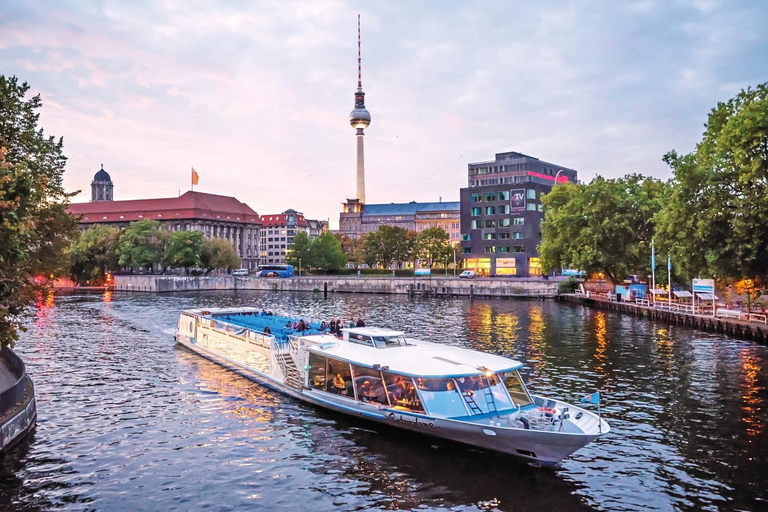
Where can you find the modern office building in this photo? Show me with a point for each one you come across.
(358, 219)
(278, 231)
(216, 216)
(501, 213)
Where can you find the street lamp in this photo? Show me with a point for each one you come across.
(299, 267)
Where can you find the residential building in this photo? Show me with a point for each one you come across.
(501, 213)
(215, 215)
(278, 231)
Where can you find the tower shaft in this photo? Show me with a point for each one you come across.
(360, 166)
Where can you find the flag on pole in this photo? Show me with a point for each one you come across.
(669, 262)
(195, 177)
(593, 398)
(653, 256)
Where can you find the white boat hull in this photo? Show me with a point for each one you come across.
(539, 446)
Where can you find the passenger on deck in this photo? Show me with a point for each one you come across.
(288, 324)
(295, 325)
(267, 330)
(302, 326)
(333, 326)
(323, 326)
(360, 322)
(351, 324)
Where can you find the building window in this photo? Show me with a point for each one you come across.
(517, 235)
(505, 267)
(489, 236)
(530, 207)
(477, 198)
(518, 248)
(490, 196)
(465, 237)
(504, 209)
(503, 248)
(489, 250)
(475, 211)
(518, 221)
(531, 193)
(541, 207)
(475, 224)
(466, 250)
(503, 223)
(503, 196)
(534, 266)
(503, 236)
(490, 224)
(490, 210)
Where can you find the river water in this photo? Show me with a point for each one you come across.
(129, 421)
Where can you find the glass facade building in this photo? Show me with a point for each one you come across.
(501, 213)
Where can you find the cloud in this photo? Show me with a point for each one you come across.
(256, 96)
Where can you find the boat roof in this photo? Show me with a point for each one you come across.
(417, 359)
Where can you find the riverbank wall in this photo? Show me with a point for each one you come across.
(18, 409)
(731, 326)
(434, 287)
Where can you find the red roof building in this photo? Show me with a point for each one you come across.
(216, 216)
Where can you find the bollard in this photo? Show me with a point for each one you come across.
(471, 291)
(325, 290)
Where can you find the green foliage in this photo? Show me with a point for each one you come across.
(716, 222)
(432, 245)
(568, 286)
(183, 249)
(218, 253)
(35, 228)
(326, 253)
(141, 245)
(388, 245)
(300, 251)
(353, 248)
(604, 226)
(92, 255)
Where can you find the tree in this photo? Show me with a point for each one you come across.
(394, 245)
(141, 245)
(432, 244)
(372, 249)
(183, 250)
(92, 254)
(717, 218)
(218, 253)
(299, 252)
(35, 228)
(353, 248)
(326, 253)
(605, 226)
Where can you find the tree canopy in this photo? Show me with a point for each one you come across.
(716, 222)
(218, 253)
(183, 250)
(35, 228)
(604, 226)
(92, 254)
(299, 253)
(141, 245)
(323, 253)
(432, 245)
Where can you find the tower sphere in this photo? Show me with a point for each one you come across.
(359, 118)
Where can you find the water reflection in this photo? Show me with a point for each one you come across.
(126, 418)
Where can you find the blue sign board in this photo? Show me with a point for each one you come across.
(422, 272)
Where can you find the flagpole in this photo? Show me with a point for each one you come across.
(669, 276)
(599, 419)
(653, 268)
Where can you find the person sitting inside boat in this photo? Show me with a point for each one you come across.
(295, 325)
(397, 389)
(288, 324)
(267, 330)
(302, 326)
(338, 383)
(323, 326)
(333, 326)
(349, 388)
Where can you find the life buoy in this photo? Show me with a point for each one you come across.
(548, 411)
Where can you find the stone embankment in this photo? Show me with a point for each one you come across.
(435, 287)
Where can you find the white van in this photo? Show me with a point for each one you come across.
(240, 272)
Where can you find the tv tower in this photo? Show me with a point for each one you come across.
(360, 118)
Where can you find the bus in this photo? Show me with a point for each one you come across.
(275, 271)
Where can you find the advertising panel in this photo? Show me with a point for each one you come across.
(517, 199)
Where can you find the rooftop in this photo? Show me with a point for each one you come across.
(410, 208)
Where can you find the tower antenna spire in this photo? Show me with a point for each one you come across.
(359, 59)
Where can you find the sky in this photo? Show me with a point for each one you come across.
(256, 95)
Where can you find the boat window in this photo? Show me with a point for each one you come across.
(369, 385)
(360, 339)
(402, 393)
(516, 388)
(339, 378)
(389, 341)
(473, 391)
(441, 398)
(317, 371)
(500, 394)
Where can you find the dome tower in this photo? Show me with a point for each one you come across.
(101, 186)
(360, 118)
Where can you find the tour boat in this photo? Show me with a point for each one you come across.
(381, 375)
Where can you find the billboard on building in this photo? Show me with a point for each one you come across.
(517, 199)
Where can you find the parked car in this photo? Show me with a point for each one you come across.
(467, 274)
(240, 272)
